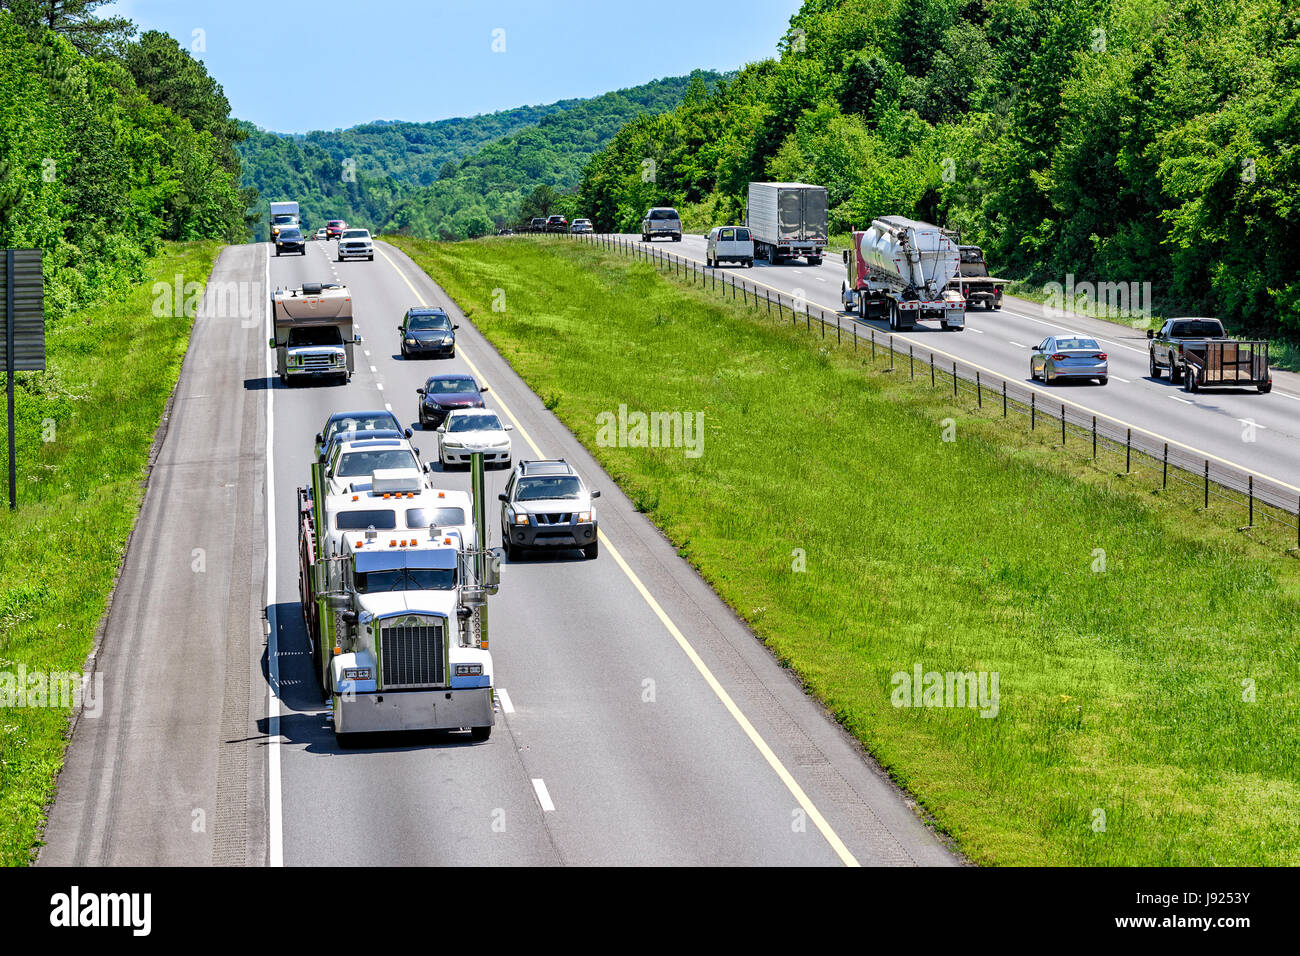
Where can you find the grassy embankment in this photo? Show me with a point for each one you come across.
(1123, 691)
(85, 427)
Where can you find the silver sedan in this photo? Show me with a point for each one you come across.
(1068, 356)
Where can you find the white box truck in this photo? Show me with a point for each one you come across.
(788, 220)
(283, 214)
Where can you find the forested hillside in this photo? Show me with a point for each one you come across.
(450, 179)
(1118, 140)
(105, 153)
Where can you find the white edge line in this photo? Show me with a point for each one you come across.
(543, 796)
(275, 835)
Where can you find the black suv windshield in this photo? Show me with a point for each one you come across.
(423, 323)
(356, 463)
(315, 335)
(538, 489)
(406, 579)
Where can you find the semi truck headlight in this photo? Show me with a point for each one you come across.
(356, 673)
(469, 670)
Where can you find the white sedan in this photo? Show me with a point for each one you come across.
(469, 430)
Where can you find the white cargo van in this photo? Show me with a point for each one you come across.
(730, 244)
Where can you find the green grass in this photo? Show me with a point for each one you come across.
(111, 369)
(1120, 691)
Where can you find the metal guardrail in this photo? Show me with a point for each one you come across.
(1261, 499)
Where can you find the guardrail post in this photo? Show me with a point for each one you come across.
(979, 396)
(1164, 470)
(1063, 424)
(1250, 490)
(838, 340)
(1033, 410)
(873, 346)
(932, 370)
(1004, 398)
(1207, 480)
(855, 338)
(1128, 452)
(911, 369)
(954, 380)
(891, 353)
(1094, 437)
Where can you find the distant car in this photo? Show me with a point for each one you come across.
(538, 224)
(729, 244)
(1068, 356)
(469, 430)
(557, 224)
(355, 243)
(505, 232)
(343, 422)
(321, 234)
(290, 239)
(546, 505)
(581, 225)
(442, 393)
(334, 228)
(661, 221)
(427, 331)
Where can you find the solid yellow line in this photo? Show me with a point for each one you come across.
(737, 714)
(1055, 397)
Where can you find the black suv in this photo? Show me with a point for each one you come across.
(547, 505)
(557, 224)
(427, 331)
(290, 239)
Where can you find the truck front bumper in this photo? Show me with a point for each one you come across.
(413, 710)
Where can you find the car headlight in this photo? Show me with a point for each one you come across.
(469, 670)
(446, 340)
(356, 673)
(410, 341)
(336, 358)
(448, 443)
(294, 359)
(521, 519)
(584, 516)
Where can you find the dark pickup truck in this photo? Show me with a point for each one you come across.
(1198, 353)
(977, 286)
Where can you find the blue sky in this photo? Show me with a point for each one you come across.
(294, 66)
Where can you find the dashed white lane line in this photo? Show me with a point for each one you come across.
(971, 328)
(1124, 380)
(1177, 399)
(373, 369)
(1050, 325)
(544, 798)
(507, 706)
(379, 385)
(367, 351)
(1252, 423)
(1019, 346)
(388, 406)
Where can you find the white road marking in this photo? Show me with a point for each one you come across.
(544, 798)
(971, 328)
(387, 406)
(275, 836)
(1292, 397)
(1019, 346)
(1177, 399)
(373, 369)
(1252, 423)
(379, 385)
(1050, 325)
(507, 707)
(761, 745)
(367, 351)
(1124, 380)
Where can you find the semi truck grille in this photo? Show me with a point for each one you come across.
(412, 656)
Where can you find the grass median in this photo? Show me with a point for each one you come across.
(1145, 653)
(84, 430)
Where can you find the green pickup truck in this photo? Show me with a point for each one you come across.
(1198, 353)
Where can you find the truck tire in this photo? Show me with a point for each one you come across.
(1175, 373)
(814, 260)
(1189, 380)
(1103, 380)
(1155, 369)
(1265, 388)
(591, 550)
(479, 734)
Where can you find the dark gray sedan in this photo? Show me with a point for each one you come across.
(1068, 356)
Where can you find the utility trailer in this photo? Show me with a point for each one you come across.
(313, 332)
(1198, 353)
(787, 220)
(398, 619)
(901, 270)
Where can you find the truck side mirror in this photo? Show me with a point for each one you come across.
(419, 391)
(357, 338)
(485, 389)
(271, 343)
(1151, 333)
(455, 325)
(502, 497)
(595, 494)
(320, 438)
(845, 256)
(408, 433)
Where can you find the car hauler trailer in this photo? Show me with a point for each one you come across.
(787, 220)
(313, 332)
(398, 619)
(900, 270)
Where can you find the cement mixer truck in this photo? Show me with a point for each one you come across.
(899, 269)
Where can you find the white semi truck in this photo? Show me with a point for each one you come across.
(900, 270)
(283, 214)
(313, 332)
(787, 220)
(397, 616)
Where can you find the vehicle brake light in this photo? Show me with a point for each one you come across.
(1102, 356)
(1058, 356)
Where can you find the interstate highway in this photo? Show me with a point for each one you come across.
(1212, 423)
(730, 763)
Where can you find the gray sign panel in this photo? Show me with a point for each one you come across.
(29, 310)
